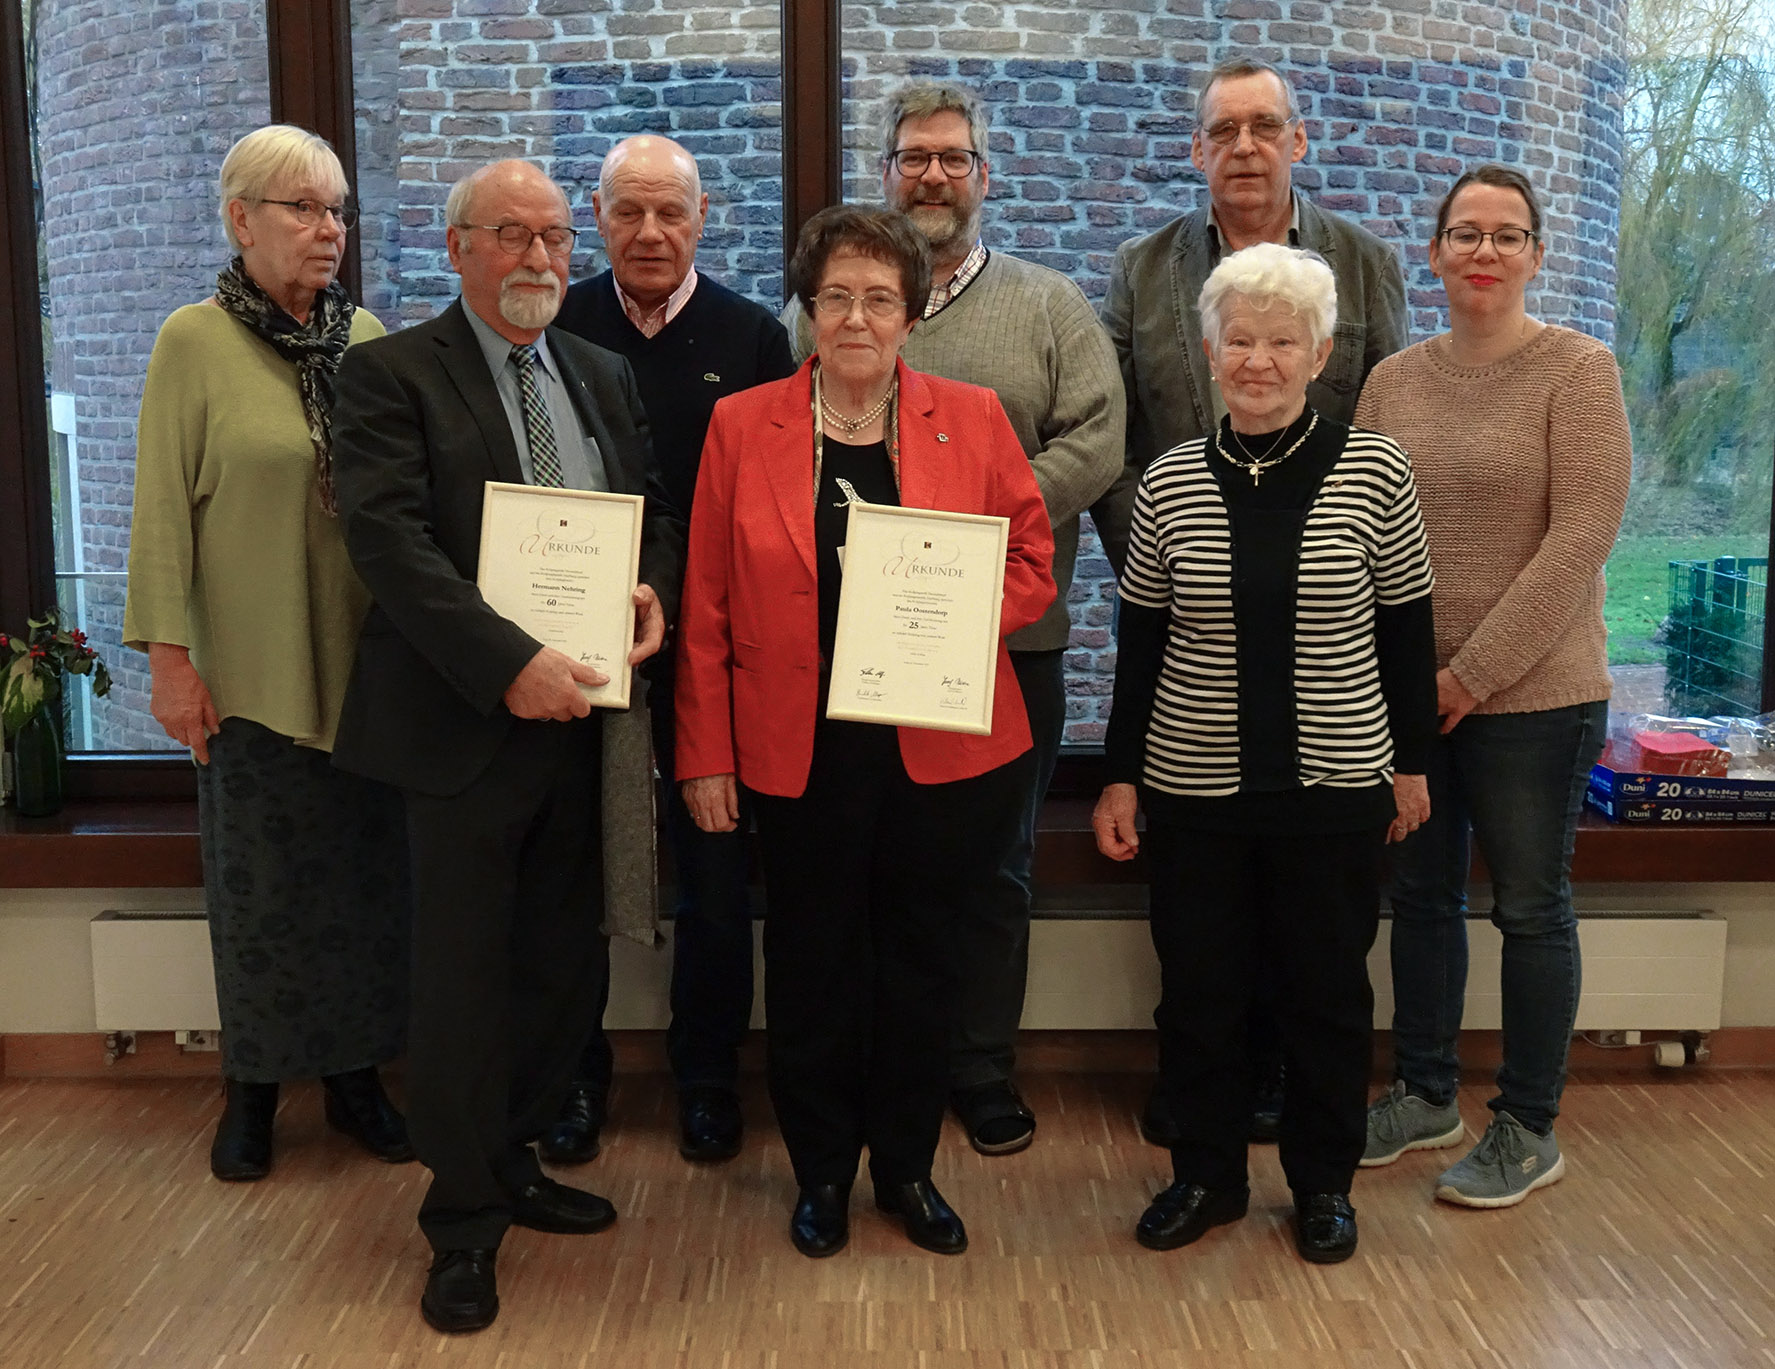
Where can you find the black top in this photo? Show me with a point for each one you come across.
(869, 472)
(719, 344)
(1266, 517)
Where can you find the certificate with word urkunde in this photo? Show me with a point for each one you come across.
(918, 613)
(562, 565)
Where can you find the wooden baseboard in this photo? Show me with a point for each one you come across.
(81, 1055)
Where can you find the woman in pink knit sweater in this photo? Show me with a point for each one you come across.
(1520, 448)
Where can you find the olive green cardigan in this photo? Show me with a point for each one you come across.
(231, 553)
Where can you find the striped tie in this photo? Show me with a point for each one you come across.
(539, 432)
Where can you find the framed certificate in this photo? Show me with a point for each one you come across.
(918, 613)
(562, 565)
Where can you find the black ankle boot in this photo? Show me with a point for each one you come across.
(357, 1106)
(242, 1148)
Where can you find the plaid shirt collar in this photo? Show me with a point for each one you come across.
(942, 296)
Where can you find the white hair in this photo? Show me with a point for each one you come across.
(1267, 274)
(271, 156)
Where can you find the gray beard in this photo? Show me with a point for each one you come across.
(944, 227)
(529, 311)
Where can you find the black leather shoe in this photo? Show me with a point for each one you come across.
(461, 1293)
(1324, 1227)
(997, 1120)
(241, 1151)
(357, 1107)
(821, 1223)
(930, 1222)
(1158, 1120)
(573, 1139)
(1186, 1212)
(549, 1206)
(709, 1124)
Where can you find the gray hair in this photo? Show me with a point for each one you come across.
(269, 155)
(1232, 68)
(922, 99)
(1268, 274)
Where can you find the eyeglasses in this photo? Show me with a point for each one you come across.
(309, 212)
(1226, 132)
(878, 304)
(515, 239)
(956, 162)
(1509, 242)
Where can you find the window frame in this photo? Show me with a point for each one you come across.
(309, 44)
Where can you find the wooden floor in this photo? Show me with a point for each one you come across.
(1658, 1249)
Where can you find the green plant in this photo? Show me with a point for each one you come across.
(34, 665)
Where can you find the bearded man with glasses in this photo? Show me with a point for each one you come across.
(520, 801)
(1248, 136)
(1028, 334)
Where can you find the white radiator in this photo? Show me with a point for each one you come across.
(152, 972)
(1662, 973)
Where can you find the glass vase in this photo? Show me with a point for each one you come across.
(37, 766)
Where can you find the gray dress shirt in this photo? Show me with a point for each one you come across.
(582, 465)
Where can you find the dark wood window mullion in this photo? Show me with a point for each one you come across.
(27, 547)
(813, 91)
(310, 51)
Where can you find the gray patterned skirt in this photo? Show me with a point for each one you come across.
(305, 879)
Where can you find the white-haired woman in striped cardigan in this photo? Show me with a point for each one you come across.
(1274, 700)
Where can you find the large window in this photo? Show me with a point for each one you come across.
(1688, 580)
(129, 121)
(1647, 123)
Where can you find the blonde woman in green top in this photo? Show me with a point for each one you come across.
(241, 594)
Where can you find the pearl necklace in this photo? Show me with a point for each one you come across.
(1257, 466)
(855, 425)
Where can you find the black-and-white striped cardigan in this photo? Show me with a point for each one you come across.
(1363, 544)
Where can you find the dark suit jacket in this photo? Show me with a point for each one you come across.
(749, 649)
(418, 430)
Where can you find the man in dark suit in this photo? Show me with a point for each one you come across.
(691, 341)
(485, 730)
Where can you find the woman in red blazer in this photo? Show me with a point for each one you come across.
(869, 833)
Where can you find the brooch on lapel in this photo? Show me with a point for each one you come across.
(942, 437)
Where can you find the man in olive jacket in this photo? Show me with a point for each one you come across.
(1248, 136)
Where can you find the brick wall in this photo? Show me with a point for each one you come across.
(138, 102)
(1093, 104)
(457, 83)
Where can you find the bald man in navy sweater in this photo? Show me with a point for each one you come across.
(690, 341)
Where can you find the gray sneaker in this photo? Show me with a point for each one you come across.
(1509, 1163)
(1399, 1121)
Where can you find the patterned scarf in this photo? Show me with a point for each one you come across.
(314, 348)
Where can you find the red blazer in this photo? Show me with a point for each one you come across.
(749, 635)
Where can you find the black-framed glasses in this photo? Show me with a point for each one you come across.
(309, 212)
(1266, 130)
(1509, 242)
(515, 238)
(836, 303)
(911, 162)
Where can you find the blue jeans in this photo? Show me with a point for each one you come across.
(1515, 782)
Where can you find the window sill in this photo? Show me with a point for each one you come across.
(140, 844)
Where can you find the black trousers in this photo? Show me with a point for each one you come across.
(711, 935)
(1227, 911)
(866, 875)
(993, 940)
(508, 894)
